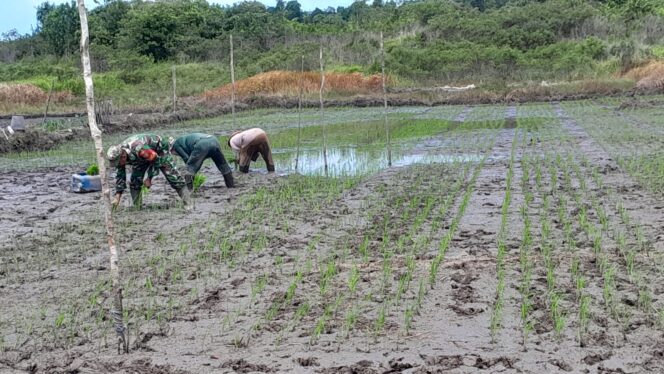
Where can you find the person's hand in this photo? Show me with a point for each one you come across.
(148, 183)
(116, 201)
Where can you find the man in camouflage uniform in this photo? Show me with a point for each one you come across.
(145, 153)
(194, 149)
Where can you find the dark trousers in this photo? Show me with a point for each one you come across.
(207, 148)
(261, 146)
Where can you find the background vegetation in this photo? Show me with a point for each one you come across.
(428, 42)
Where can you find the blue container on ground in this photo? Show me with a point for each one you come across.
(82, 182)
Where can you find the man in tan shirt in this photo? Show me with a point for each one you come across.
(247, 145)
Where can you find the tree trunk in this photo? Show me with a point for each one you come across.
(48, 101)
(116, 311)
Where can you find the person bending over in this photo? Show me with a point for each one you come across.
(144, 153)
(247, 145)
(194, 149)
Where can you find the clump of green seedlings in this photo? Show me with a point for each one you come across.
(198, 181)
(93, 169)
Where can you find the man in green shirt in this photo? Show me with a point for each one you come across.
(144, 153)
(194, 149)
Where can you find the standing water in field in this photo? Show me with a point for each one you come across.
(354, 160)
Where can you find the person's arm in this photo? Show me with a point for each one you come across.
(120, 184)
(267, 157)
(152, 172)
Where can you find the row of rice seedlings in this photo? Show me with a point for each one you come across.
(578, 279)
(415, 305)
(607, 269)
(329, 274)
(529, 141)
(627, 251)
(636, 150)
(413, 309)
(385, 224)
(419, 243)
(594, 233)
(392, 298)
(525, 257)
(496, 315)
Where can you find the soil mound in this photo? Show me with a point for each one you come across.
(28, 94)
(648, 77)
(288, 83)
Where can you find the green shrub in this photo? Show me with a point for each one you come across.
(658, 51)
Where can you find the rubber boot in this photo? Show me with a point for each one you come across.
(136, 198)
(228, 179)
(185, 195)
(189, 180)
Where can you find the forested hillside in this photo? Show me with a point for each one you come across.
(428, 42)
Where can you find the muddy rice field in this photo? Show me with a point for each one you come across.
(525, 238)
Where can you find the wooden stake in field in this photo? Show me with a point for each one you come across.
(232, 83)
(320, 96)
(387, 129)
(299, 114)
(175, 95)
(48, 100)
(116, 311)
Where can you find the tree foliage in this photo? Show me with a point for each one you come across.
(425, 38)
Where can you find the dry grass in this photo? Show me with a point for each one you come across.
(29, 94)
(288, 83)
(649, 76)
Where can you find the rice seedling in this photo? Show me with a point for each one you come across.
(198, 181)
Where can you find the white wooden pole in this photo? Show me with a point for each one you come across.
(117, 310)
(387, 129)
(299, 113)
(175, 95)
(322, 118)
(232, 82)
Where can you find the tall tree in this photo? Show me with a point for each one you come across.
(59, 26)
(293, 10)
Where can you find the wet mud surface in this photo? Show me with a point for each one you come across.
(239, 284)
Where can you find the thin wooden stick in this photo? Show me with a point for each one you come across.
(175, 95)
(387, 129)
(232, 83)
(117, 310)
(299, 114)
(48, 101)
(320, 96)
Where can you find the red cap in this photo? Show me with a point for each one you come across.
(147, 154)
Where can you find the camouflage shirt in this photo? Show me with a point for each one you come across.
(134, 144)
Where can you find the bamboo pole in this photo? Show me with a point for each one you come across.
(117, 310)
(232, 83)
(48, 100)
(320, 96)
(299, 114)
(387, 129)
(175, 95)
